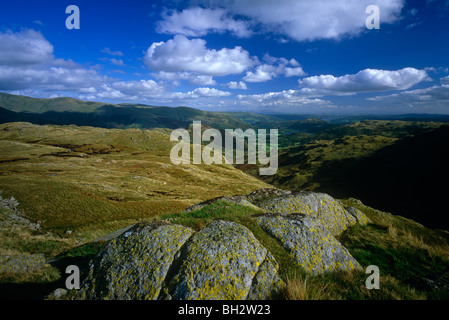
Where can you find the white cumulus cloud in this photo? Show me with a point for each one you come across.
(24, 48)
(273, 68)
(190, 77)
(117, 62)
(48, 78)
(200, 92)
(431, 99)
(196, 22)
(425, 95)
(368, 80)
(445, 80)
(237, 85)
(27, 62)
(202, 80)
(285, 98)
(181, 54)
(112, 53)
(307, 20)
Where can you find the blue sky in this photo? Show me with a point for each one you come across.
(289, 56)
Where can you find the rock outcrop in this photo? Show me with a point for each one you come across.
(135, 264)
(224, 260)
(314, 249)
(329, 212)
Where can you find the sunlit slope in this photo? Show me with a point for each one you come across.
(76, 177)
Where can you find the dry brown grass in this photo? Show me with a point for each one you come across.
(88, 179)
(300, 287)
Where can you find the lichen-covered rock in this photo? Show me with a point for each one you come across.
(266, 283)
(361, 218)
(135, 264)
(313, 248)
(224, 261)
(329, 212)
(12, 217)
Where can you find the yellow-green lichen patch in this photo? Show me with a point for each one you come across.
(361, 218)
(134, 265)
(314, 249)
(219, 263)
(266, 283)
(330, 213)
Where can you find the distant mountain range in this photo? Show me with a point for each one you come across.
(64, 111)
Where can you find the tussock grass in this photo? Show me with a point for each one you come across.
(44, 275)
(302, 287)
(346, 286)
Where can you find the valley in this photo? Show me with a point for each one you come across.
(68, 188)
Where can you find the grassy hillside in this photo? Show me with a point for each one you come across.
(407, 177)
(93, 180)
(18, 103)
(395, 166)
(81, 183)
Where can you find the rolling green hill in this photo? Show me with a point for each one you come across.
(64, 111)
(85, 178)
(18, 103)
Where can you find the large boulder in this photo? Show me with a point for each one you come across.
(135, 264)
(222, 261)
(329, 212)
(313, 248)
